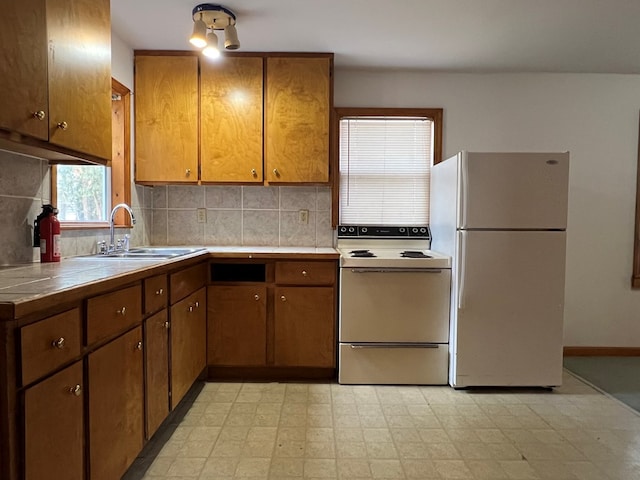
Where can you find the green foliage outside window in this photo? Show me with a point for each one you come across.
(82, 193)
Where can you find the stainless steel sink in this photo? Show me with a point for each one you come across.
(149, 252)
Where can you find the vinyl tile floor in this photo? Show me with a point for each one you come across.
(289, 431)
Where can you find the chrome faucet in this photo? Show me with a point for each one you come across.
(112, 247)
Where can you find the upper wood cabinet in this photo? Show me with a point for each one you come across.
(231, 120)
(298, 100)
(262, 118)
(55, 66)
(166, 109)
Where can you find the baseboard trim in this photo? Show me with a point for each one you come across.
(601, 351)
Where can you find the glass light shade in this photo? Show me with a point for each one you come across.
(199, 36)
(231, 41)
(211, 50)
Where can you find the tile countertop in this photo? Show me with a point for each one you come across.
(22, 287)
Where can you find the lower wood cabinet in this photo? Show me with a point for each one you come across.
(156, 353)
(188, 343)
(54, 427)
(237, 333)
(116, 421)
(304, 326)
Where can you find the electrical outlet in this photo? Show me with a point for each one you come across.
(202, 215)
(303, 216)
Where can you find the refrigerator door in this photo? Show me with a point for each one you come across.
(508, 312)
(513, 190)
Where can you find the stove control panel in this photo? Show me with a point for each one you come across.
(372, 231)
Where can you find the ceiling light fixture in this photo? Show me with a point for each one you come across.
(207, 18)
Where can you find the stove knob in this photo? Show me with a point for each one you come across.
(343, 229)
(352, 229)
(423, 230)
(402, 229)
(414, 230)
(364, 229)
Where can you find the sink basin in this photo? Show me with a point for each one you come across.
(150, 252)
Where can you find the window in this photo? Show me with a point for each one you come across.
(85, 194)
(384, 162)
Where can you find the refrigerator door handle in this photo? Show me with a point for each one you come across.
(462, 269)
(464, 175)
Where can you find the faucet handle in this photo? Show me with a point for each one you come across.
(126, 242)
(119, 244)
(102, 246)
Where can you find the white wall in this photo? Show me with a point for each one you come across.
(595, 117)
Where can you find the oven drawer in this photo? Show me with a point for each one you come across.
(393, 364)
(380, 305)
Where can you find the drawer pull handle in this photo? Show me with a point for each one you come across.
(254, 173)
(63, 125)
(167, 325)
(39, 114)
(59, 343)
(159, 292)
(304, 273)
(194, 305)
(283, 298)
(257, 297)
(77, 390)
(122, 311)
(276, 172)
(139, 346)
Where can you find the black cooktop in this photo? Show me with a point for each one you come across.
(414, 254)
(361, 253)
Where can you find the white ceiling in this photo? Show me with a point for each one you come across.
(599, 36)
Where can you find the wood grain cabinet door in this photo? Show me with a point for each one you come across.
(166, 110)
(237, 325)
(116, 422)
(188, 343)
(54, 427)
(298, 104)
(304, 326)
(80, 75)
(23, 68)
(231, 120)
(156, 353)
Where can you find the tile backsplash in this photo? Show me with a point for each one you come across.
(167, 215)
(242, 215)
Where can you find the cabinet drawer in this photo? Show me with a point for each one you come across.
(155, 293)
(306, 273)
(187, 281)
(47, 344)
(113, 312)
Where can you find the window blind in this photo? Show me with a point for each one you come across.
(385, 165)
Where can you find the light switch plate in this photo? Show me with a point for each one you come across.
(303, 216)
(202, 215)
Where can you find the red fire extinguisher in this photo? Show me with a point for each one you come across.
(46, 234)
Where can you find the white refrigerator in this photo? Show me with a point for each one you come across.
(502, 217)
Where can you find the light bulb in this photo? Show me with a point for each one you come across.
(199, 36)
(211, 50)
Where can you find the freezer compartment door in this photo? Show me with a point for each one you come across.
(514, 190)
(394, 305)
(509, 309)
(393, 364)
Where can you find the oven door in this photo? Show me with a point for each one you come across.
(404, 305)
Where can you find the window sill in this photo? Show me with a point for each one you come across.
(88, 225)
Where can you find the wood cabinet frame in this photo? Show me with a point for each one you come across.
(635, 276)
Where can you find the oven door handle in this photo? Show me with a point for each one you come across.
(394, 345)
(396, 270)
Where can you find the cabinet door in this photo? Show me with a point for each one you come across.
(54, 427)
(237, 325)
(23, 68)
(304, 326)
(298, 102)
(80, 75)
(156, 354)
(231, 120)
(188, 343)
(116, 423)
(166, 110)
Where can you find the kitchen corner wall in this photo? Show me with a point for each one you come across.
(242, 215)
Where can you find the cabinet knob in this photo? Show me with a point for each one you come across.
(187, 172)
(63, 125)
(276, 172)
(139, 346)
(304, 273)
(122, 311)
(256, 297)
(159, 292)
(253, 172)
(77, 390)
(167, 325)
(283, 298)
(193, 306)
(39, 114)
(59, 343)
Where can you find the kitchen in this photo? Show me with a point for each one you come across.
(592, 115)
